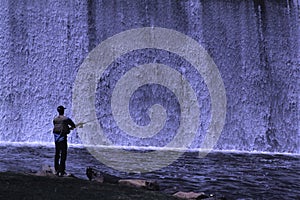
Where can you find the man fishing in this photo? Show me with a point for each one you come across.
(62, 127)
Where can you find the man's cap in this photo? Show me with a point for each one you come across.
(60, 108)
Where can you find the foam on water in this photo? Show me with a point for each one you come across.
(139, 148)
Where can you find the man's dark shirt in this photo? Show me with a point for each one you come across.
(61, 128)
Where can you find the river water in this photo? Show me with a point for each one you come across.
(235, 175)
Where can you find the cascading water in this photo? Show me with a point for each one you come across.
(254, 44)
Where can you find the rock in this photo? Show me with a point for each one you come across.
(46, 170)
(147, 184)
(94, 175)
(190, 195)
(97, 176)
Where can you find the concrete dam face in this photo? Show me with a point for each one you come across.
(133, 71)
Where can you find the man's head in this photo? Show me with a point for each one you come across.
(61, 110)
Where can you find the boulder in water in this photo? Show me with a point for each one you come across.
(101, 177)
(191, 195)
(94, 175)
(147, 184)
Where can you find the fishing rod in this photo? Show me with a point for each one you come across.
(80, 124)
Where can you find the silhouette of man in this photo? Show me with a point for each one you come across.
(62, 127)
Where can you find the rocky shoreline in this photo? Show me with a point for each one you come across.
(28, 186)
(45, 185)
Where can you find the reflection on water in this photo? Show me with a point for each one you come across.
(231, 174)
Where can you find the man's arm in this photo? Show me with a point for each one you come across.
(71, 123)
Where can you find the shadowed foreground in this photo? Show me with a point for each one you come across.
(21, 186)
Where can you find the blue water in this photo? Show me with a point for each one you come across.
(235, 175)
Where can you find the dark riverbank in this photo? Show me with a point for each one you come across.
(25, 186)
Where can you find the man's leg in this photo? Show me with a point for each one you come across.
(64, 147)
(57, 157)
